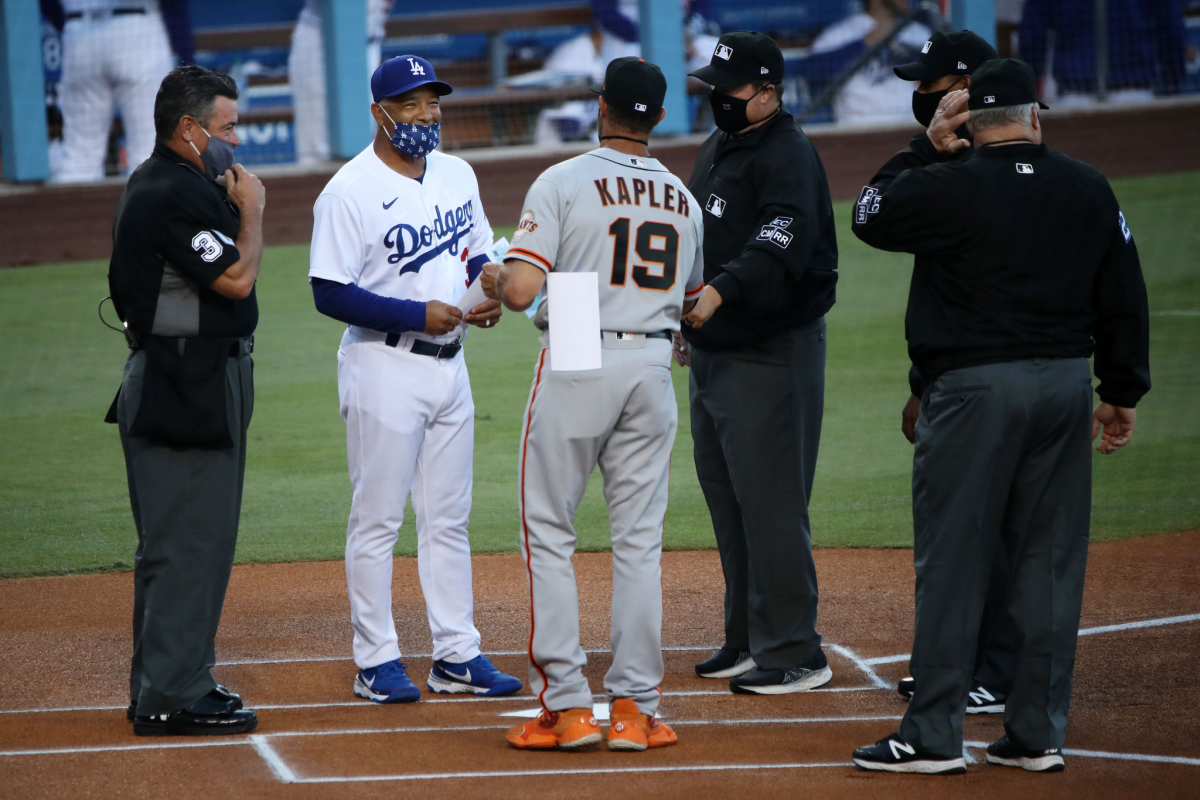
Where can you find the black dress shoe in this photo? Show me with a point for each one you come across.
(215, 714)
(725, 663)
(220, 693)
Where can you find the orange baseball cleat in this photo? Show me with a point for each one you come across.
(566, 730)
(630, 729)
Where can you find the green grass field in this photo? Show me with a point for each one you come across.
(64, 506)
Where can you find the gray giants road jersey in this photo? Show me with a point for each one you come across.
(629, 220)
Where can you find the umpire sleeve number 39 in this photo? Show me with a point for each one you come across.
(208, 246)
(657, 243)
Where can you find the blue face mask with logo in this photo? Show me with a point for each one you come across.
(413, 140)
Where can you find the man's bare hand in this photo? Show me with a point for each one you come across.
(440, 318)
(487, 280)
(245, 189)
(951, 114)
(908, 418)
(484, 315)
(680, 349)
(1117, 423)
(706, 306)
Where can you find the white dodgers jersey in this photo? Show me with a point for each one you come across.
(626, 218)
(399, 237)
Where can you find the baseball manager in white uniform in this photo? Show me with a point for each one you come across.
(397, 235)
(619, 213)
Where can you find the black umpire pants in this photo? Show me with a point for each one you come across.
(1002, 456)
(756, 427)
(186, 504)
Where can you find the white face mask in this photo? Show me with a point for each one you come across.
(217, 158)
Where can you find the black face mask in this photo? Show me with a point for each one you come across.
(924, 106)
(729, 112)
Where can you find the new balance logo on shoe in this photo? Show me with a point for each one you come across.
(896, 745)
(981, 696)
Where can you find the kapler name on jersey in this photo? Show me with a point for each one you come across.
(447, 229)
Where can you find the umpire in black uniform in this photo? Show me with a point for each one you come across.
(186, 253)
(757, 351)
(1035, 271)
(945, 65)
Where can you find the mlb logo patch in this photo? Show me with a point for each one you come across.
(716, 206)
(989, 99)
(724, 51)
(1025, 169)
(639, 106)
(637, 162)
(928, 45)
(781, 222)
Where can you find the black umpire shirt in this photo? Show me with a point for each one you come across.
(769, 243)
(174, 234)
(1022, 253)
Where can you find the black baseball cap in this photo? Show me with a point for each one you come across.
(949, 53)
(743, 57)
(633, 84)
(1003, 82)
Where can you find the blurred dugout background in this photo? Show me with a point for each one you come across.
(520, 68)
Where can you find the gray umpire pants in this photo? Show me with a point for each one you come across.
(622, 417)
(186, 504)
(1002, 454)
(756, 429)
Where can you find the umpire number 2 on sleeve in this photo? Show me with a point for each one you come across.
(867, 204)
(208, 246)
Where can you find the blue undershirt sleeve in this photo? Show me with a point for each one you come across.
(475, 266)
(347, 302)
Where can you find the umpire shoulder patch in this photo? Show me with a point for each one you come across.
(866, 205)
(1124, 225)
(207, 245)
(776, 236)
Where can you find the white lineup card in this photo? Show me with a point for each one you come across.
(474, 294)
(575, 323)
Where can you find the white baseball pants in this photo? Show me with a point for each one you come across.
(410, 427)
(114, 61)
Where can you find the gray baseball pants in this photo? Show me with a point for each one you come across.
(1002, 453)
(622, 417)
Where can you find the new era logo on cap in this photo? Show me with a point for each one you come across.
(928, 45)
(990, 99)
(961, 65)
(763, 70)
(724, 51)
(639, 106)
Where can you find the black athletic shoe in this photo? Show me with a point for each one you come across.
(214, 714)
(726, 663)
(1007, 754)
(784, 681)
(892, 754)
(980, 700)
(221, 691)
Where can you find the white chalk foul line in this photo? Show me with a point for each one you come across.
(1123, 626)
(867, 669)
(278, 766)
(1070, 751)
(531, 773)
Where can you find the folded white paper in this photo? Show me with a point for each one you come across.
(474, 294)
(575, 323)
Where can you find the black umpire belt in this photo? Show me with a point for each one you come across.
(237, 347)
(423, 348)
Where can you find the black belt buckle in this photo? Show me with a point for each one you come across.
(241, 347)
(451, 347)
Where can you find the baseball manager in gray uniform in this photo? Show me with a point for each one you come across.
(618, 213)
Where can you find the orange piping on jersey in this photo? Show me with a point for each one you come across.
(531, 256)
(695, 291)
(537, 381)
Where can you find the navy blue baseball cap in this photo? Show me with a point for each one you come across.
(403, 74)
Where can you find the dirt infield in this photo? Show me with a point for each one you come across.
(72, 224)
(1135, 725)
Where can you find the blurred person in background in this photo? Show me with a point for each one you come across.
(584, 59)
(115, 53)
(306, 75)
(872, 94)
(1145, 49)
